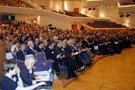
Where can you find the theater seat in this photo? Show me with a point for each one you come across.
(44, 66)
(41, 57)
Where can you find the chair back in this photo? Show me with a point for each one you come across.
(41, 57)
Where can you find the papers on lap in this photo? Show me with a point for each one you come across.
(9, 56)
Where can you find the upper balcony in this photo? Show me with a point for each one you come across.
(15, 3)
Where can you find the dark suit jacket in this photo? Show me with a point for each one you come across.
(50, 54)
(25, 75)
(38, 49)
(29, 51)
(20, 55)
(68, 50)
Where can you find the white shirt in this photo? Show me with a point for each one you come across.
(14, 48)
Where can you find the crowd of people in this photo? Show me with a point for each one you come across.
(14, 3)
(73, 49)
(127, 2)
(105, 24)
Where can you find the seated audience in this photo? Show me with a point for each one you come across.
(20, 55)
(72, 49)
(30, 49)
(127, 2)
(12, 79)
(15, 48)
(105, 24)
(15, 3)
(26, 69)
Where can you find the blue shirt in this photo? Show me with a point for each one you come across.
(8, 84)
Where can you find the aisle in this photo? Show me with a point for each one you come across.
(115, 72)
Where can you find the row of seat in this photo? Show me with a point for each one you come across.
(15, 3)
(42, 64)
(42, 67)
(105, 24)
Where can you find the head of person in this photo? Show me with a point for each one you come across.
(45, 42)
(41, 44)
(64, 43)
(29, 61)
(55, 38)
(51, 45)
(69, 42)
(59, 44)
(12, 68)
(16, 43)
(22, 46)
(30, 44)
(36, 41)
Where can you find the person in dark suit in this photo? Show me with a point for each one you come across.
(68, 60)
(59, 53)
(40, 47)
(76, 54)
(21, 53)
(12, 79)
(26, 69)
(30, 49)
(52, 52)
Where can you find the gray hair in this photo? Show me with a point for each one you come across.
(30, 57)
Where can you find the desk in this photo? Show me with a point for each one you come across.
(45, 76)
(57, 85)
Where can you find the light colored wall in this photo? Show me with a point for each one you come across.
(43, 16)
(114, 14)
(47, 17)
(127, 8)
(35, 5)
(20, 10)
(55, 5)
(55, 22)
(50, 4)
(70, 5)
(44, 3)
(62, 4)
(27, 18)
(58, 20)
(61, 21)
(99, 3)
(108, 11)
(91, 13)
